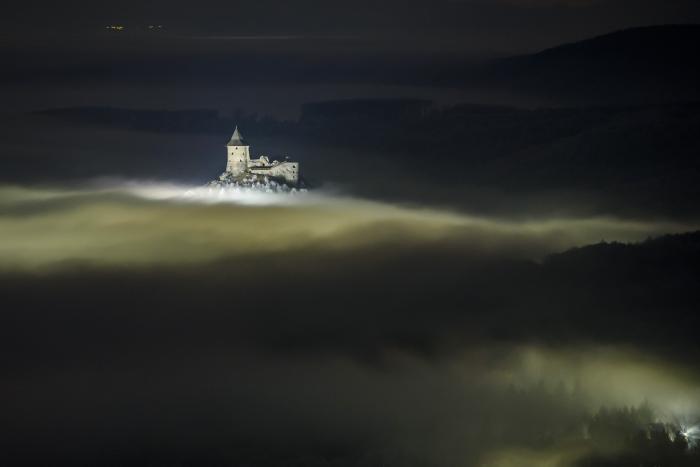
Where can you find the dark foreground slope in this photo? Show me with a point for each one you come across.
(364, 301)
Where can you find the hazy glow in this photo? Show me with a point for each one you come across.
(610, 376)
(136, 223)
(601, 377)
(692, 434)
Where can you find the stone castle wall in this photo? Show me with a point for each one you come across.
(239, 163)
(289, 171)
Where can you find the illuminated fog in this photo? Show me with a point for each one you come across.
(138, 223)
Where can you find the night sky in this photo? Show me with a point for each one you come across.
(495, 264)
(476, 26)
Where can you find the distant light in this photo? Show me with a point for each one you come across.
(691, 434)
(115, 27)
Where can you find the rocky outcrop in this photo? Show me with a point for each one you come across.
(255, 182)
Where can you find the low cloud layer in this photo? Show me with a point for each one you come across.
(156, 224)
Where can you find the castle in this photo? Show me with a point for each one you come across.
(240, 166)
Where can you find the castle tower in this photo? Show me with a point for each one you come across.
(238, 154)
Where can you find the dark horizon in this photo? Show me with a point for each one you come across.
(504, 27)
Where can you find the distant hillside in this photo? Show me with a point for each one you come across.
(677, 252)
(641, 156)
(644, 292)
(641, 65)
(655, 44)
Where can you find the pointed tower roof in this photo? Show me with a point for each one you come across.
(236, 139)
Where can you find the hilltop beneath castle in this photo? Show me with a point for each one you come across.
(254, 182)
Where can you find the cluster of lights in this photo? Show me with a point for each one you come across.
(120, 27)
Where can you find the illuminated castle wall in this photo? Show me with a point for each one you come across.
(239, 162)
